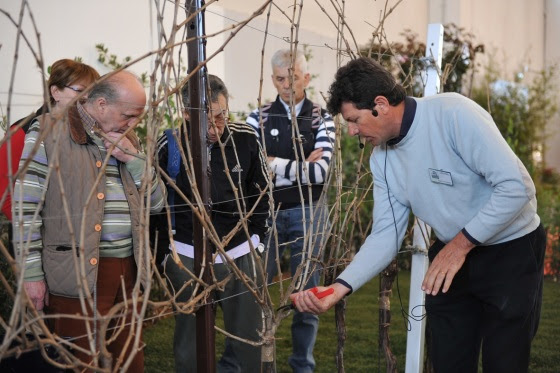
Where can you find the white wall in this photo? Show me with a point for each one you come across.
(515, 29)
(67, 29)
(70, 28)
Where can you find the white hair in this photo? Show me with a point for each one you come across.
(283, 58)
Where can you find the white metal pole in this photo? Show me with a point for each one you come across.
(420, 240)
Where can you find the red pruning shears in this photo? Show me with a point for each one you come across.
(318, 294)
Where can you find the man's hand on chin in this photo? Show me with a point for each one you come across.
(122, 147)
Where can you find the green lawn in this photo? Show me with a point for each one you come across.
(361, 351)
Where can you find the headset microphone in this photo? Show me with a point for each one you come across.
(361, 144)
(373, 111)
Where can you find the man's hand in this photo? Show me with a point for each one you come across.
(122, 146)
(315, 155)
(38, 293)
(446, 264)
(306, 301)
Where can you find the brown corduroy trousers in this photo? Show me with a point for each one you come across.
(109, 291)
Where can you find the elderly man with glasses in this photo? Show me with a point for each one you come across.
(238, 181)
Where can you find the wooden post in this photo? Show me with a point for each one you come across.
(198, 106)
(415, 337)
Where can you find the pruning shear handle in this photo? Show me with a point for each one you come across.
(318, 294)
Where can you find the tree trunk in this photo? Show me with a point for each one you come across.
(385, 286)
(339, 317)
(268, 349)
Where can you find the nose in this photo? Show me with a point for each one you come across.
(353, 130)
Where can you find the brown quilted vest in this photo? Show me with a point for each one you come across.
(71, 203)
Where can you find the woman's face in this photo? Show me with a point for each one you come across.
(63, 96)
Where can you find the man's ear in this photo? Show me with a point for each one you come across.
(381, 104)
(306, 79)
(101, 104)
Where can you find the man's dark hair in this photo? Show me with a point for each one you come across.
(217, 88)
(360, 81)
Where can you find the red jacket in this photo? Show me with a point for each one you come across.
(16, 148)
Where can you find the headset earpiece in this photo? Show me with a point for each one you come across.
(374, 112)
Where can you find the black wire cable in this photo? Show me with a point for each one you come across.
(406, 316)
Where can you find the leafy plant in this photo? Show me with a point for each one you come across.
(407, 59)
(112, 60)
(521, 111)
(4, 123)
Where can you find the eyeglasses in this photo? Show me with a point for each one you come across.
(219, 117)
(78, 90)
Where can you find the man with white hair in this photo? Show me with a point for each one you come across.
(299, 152)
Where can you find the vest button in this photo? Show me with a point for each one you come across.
(100, 195)
(97, 227)
(98, 164)
(93, 261)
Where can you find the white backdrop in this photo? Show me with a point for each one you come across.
(520, 36)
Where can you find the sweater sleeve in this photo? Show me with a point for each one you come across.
(28, 194)
(258, 181)
(253, 121)
(390, 219)
(481, 146)
(137, 168)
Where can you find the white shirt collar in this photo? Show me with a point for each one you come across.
(289, 110)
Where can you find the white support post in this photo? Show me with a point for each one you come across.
(420, 241)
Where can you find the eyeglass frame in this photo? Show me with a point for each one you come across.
(77, 90)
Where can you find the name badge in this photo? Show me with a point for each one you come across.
(440, 176)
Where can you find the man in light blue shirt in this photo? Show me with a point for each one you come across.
(443, 158)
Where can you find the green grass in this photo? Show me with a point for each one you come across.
(361, 349)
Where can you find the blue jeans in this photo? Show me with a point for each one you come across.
(290, 229)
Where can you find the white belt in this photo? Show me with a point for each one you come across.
(237, 252)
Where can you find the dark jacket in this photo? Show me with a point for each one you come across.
(248, 172)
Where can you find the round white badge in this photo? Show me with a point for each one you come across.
(274, 132)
